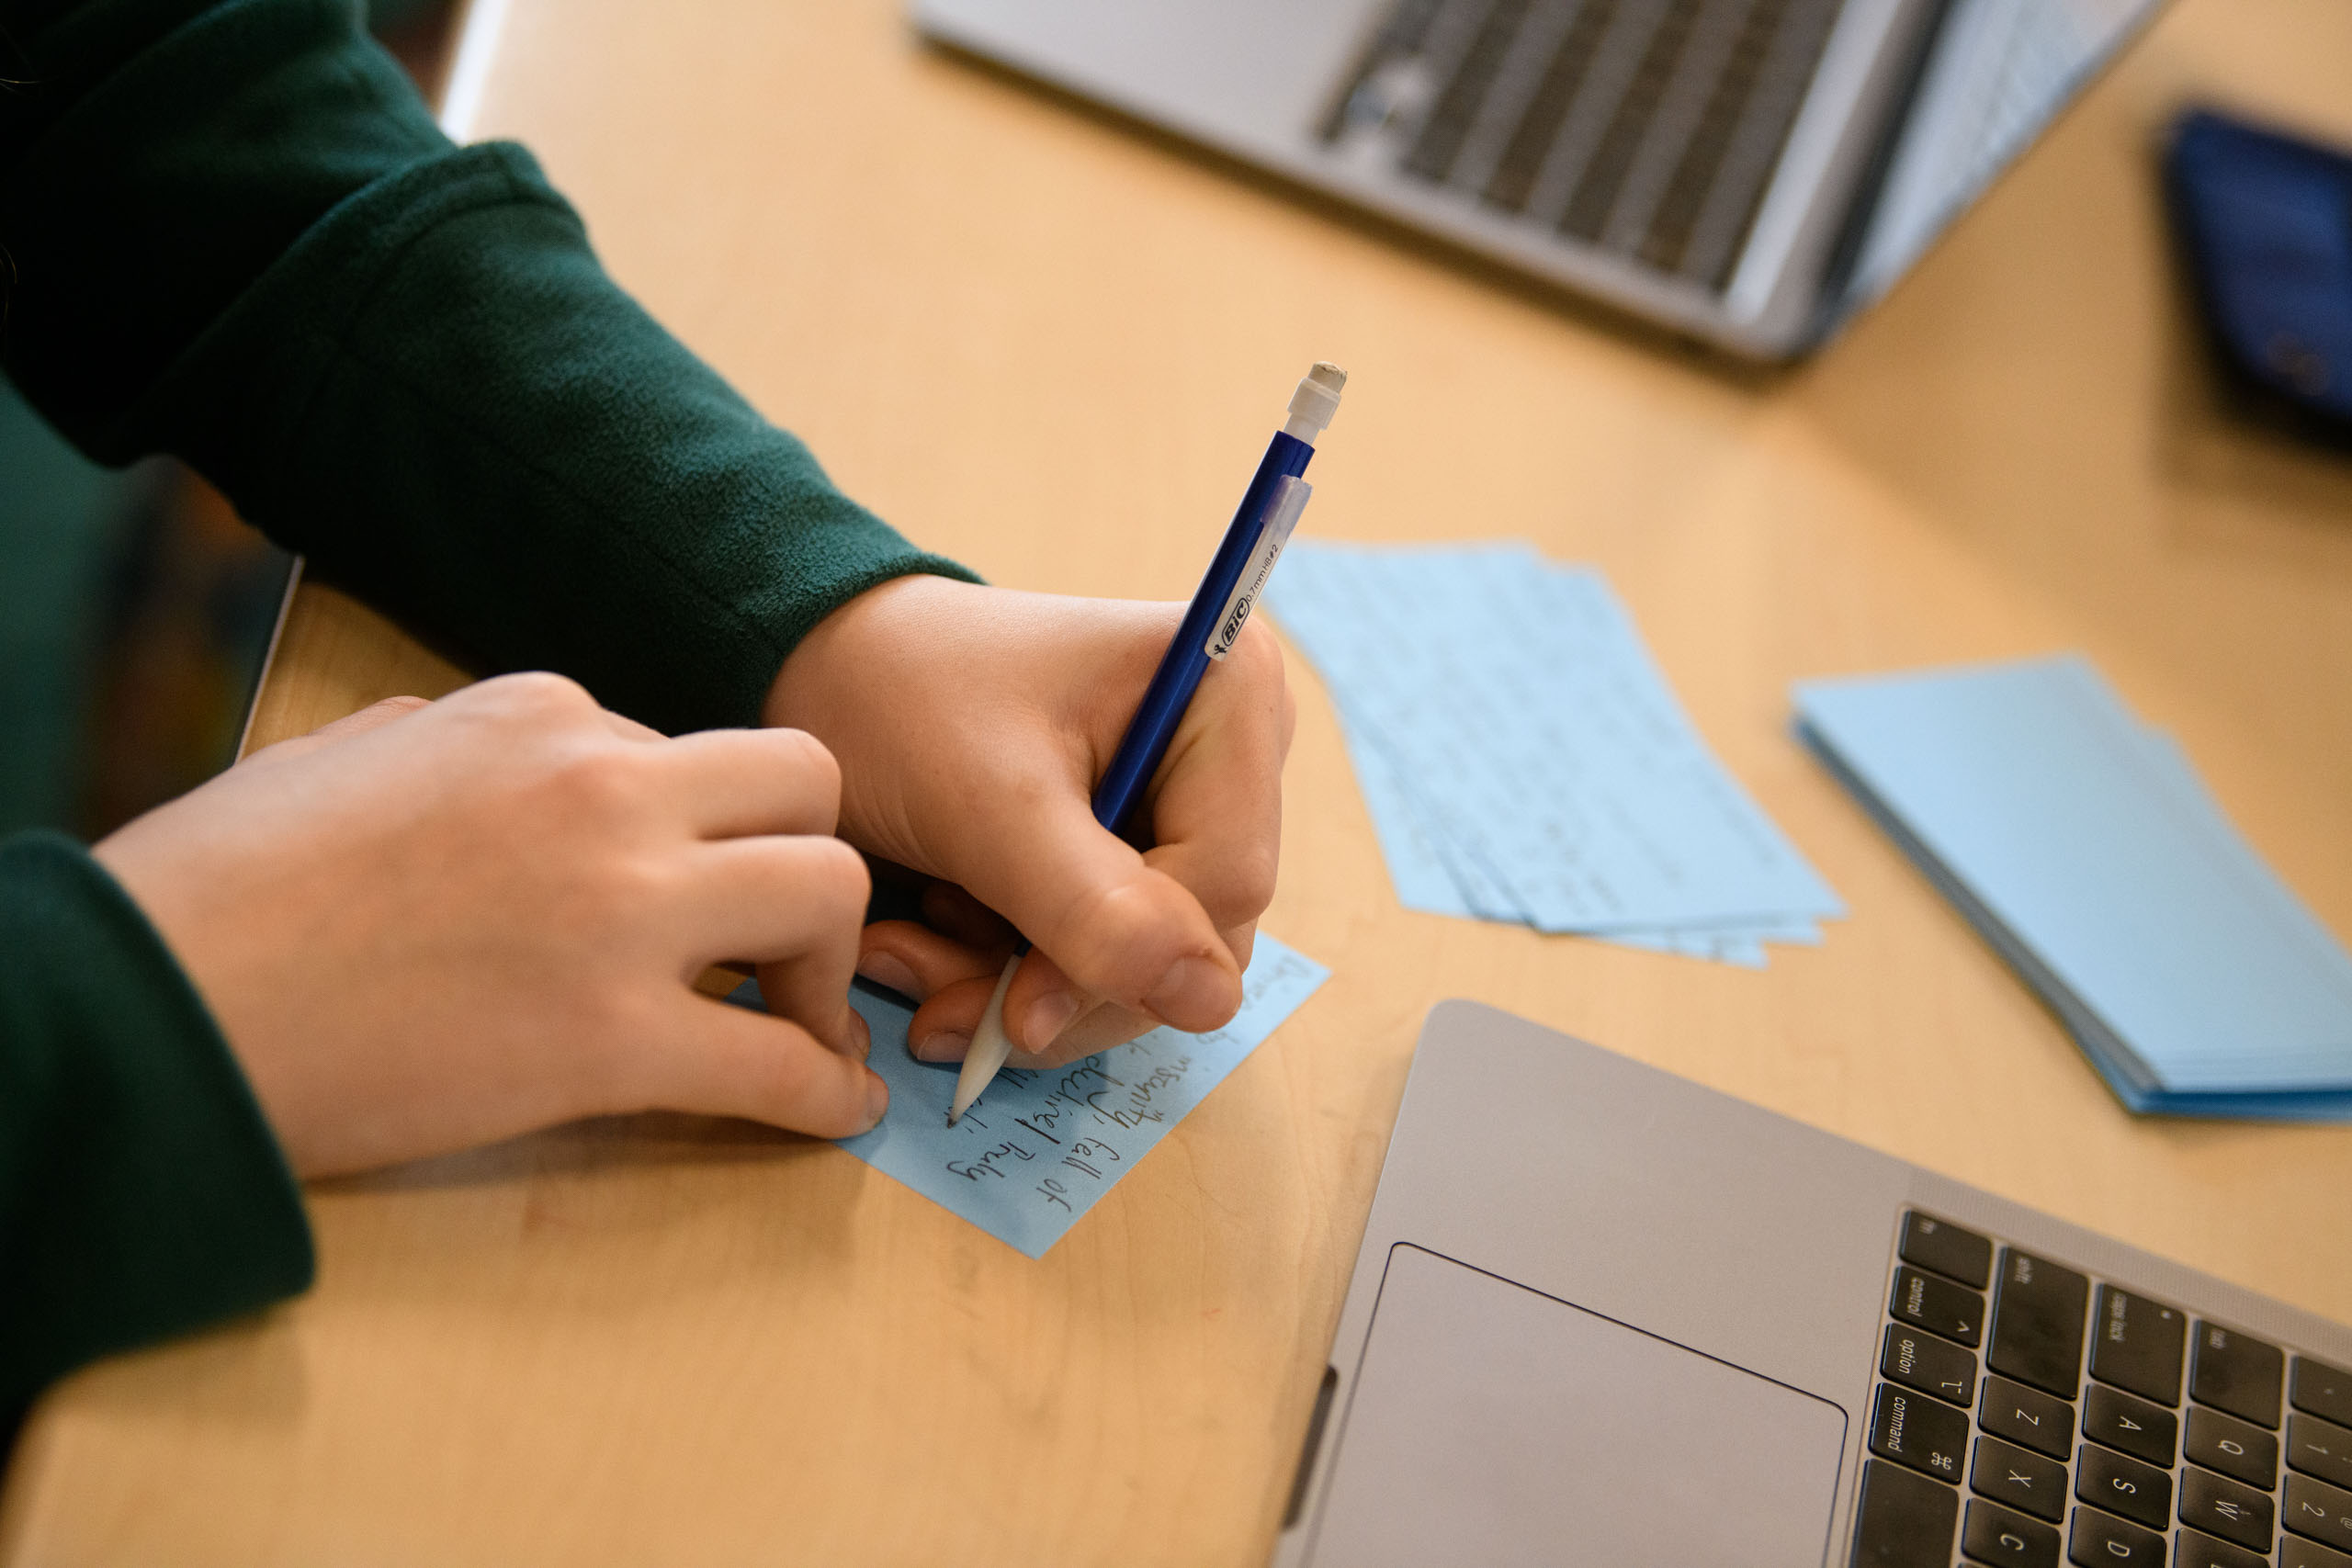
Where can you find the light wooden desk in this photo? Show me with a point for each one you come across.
(683, 1343)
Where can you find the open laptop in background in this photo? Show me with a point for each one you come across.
(1747, 171)
(1603, 1315)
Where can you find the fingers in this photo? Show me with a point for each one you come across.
(718, 1060)
(1104, 1024)
(1118, 928)
(1142, 931)
(948, 908)
(375, 716)
(731, 782)
(1217, 807)
(917, 961)
(952, 980)
(942, 1029)
(954, 983)
(792, 907)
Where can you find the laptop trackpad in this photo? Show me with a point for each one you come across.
(1491, 1424)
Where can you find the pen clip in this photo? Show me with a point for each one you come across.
(1282, 516)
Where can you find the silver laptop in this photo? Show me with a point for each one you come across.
(1747, 171)
(1604, 1316)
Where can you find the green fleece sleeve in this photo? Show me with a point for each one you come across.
(237, 236)
(141, 1190)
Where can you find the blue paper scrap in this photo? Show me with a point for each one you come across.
(1524, 760)
(1040, 1147)
(2086, 849)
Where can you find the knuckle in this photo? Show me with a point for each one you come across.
(1260, 655)
(538, 694)
(1248, 885)
(1263, 693)
(820, 769)
(1112, 939)
(595, 784)
(839, 875)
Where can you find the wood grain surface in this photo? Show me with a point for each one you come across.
(1051, 347)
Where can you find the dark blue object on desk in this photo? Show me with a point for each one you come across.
(2265, 223)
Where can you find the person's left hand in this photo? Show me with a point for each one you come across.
(971, 724)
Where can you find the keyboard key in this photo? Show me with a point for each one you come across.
(1906, 1521)
(2294, 1551)
(2038, 1323)
(2102, 1541)
(2320, 1448)
(2318, 1510)
(2137, 1491)
(2221, 1507)
(2136, 1345)
(2007, 1473)
(2238, 1373)
(2007, 1539)
(2195, 1549)
(1928, 1364)
(2024, 1416)
(1924, 1300)
(2322, 1390)
(2223, 1443)
(2135, 1426)
(1924, 1434)
(1945, 1248)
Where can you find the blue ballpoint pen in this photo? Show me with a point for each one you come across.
(1229, 590)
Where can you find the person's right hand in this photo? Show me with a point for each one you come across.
(430, 926)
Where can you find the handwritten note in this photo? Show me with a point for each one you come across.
(1524, 758)
(1041, 1148)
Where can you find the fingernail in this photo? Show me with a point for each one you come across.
(1049, 1016)
(943, 1045)
(1193, 989)
(878, 1099)
(861, 1035)
(889, 969)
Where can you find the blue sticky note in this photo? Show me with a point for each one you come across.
(1524, 760)
(2083, 846)
(1040, 1147)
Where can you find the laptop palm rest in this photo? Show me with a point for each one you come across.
(1492, 1423)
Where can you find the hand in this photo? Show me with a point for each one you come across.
(971, 724)
(434, 925)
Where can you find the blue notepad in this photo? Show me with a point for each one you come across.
(1524, 760)
(1040, 1147)
(2084, 848)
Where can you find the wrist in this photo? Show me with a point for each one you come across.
(846, 661)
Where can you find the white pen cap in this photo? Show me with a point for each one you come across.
(1316, 400)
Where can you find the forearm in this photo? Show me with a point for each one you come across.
(239, 238)
(142, 1193)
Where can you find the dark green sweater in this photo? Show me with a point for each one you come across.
(232, 233)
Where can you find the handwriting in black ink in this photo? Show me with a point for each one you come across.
(986, 1165)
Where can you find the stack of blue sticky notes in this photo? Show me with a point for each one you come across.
(2082, 845)
(1524, 760)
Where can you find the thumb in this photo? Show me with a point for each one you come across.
(1107, 924)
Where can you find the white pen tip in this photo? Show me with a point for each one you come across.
(988, 1049)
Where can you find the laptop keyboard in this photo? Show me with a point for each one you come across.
(1648, 129)
(2189, 1443)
